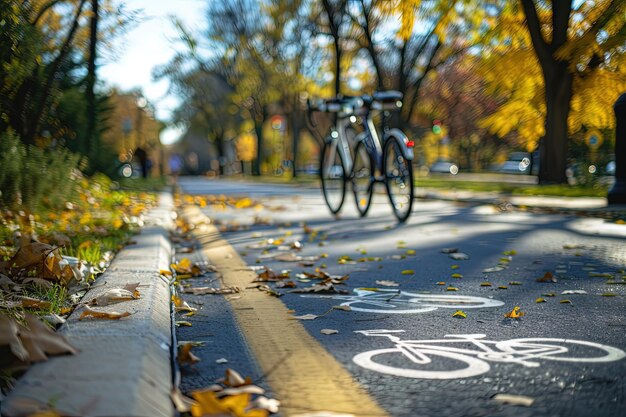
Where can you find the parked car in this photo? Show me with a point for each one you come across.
(442, 166)
(517, 163)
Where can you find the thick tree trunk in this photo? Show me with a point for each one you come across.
(554, 147)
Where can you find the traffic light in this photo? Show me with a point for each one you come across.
(437, 127)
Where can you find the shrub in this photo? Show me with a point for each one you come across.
(32, 177)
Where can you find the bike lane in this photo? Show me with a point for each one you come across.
(564, 246)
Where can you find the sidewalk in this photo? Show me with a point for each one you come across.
(124, 366)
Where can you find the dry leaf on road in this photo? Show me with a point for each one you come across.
(516, 313)
(329, 331)
(547, 277)
(386, 283)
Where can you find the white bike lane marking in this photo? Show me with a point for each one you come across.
(389, 301)
(475, 361)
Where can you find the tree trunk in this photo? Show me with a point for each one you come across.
(554, 146)
(90, 93)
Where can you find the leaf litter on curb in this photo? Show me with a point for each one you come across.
(88, 312)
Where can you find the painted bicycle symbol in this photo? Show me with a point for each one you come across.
(467, 355)
(403, 302)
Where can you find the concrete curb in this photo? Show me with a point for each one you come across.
(124, 366)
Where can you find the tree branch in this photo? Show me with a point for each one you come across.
(542, 49)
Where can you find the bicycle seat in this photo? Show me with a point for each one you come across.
(389, 96)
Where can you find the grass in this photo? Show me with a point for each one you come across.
(100, 218)
(513, 189)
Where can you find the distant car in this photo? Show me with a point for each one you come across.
(610, 168)
(444, 167)
(517, 163)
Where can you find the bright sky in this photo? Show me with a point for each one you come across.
(147, 46)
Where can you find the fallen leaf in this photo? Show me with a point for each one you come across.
(344, 308)
(441, 283)
(459, 256)
(515, 283)
(449, 250)
(503, 287)
(183, 323)
(540, 300)
(112, 296)
(113, 315)
(514, 399)
(516, 313)
(547, 277)
(411, 252)
(569, 292)
(452, 289)
(609, 294)
(455, 267)
(386, 283)
(329, 331)
(264, 403)
(29, 302)
(234, 379)
(600, 274)
(460, 314)
(221, 360)
(40, 341)
(485, 284)
(510, 253)
(565, 301)
(306, 317)
(493, 269)
(185, 356)
(549, 294)
(408, 272)
(458, 276)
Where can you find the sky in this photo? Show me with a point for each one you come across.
(146, 46)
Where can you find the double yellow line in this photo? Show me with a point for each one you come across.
(303, 375)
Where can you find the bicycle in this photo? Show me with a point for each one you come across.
(391, 158)
(474, 361)
(336, 155)
(389, 301)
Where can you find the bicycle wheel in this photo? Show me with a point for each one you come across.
(362, 178)
(564, 350)
(333, 176)
(398, 173)
(392, 361)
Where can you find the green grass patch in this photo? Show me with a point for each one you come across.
(597, 190)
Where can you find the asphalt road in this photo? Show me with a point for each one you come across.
(403, 343)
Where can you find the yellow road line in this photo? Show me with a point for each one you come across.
(304, 376)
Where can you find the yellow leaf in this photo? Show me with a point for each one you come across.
(441, 283)
(457, 276)
(118, 223)
(408, 272)
(540, 300)
(503, 287)
(455, 267)
(510, 253)
(410, 252)
(460, 314)
(165, 272)
(516, 313)
(565, 301)
(452, 289)
(515, 283)
(485, 284)
(609, 294)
